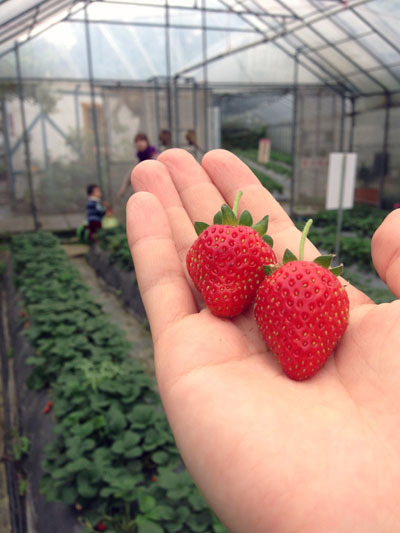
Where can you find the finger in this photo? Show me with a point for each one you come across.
(198, 194)
(165, 291)
(230, 174)
(385, 247)
(152, 176)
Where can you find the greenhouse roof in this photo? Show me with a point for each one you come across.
(353, 45)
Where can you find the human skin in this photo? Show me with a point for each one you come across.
(269, 454)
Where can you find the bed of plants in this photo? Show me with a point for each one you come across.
(275, 163)
(113, 457)
(115, 242)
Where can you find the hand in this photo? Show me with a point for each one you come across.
(268, 453)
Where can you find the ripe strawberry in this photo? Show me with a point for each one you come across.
(302, 311)
(100, 526)
(226, 261)
(48, 407)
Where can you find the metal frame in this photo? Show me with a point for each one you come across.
(276, 28)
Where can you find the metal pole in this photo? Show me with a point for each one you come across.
(168, 66)
(107, 144)
(11, 177)
(93, 98)
(352, 122)
(77, 119)
(383, 165)
(294, 132)
(26, 140)
(205, 72)
(44, 139)
(157, 105)
(194, 111)
(176, 106)
(342, 176)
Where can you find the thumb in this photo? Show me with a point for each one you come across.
(385, 249)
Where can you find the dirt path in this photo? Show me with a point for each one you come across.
(133, 329)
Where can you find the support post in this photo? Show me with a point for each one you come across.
(205, 72)
(168, 66)
(176, 108)
(11, 175)
(157, 105)
(294, 131)
(28, 165)
(44, 139)
(93, 98)
(341, 193)
(383, 169)
(77, 118)
(107, 144)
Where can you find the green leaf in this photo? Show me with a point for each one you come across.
(288, 256)
(200, 227)
(218, 218)
(324, 260)
(268, 240)
(228, 216)
(267, 270)
(160, 458)
(245, 219)
(85, 488)
(197, 501)
(116, 419)
(146, 502)
(337, 271)
(78, 465)
(165, 512)
(146, 526)
(262, 226)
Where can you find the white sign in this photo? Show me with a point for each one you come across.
(341, 178)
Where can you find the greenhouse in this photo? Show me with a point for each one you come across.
(89, 88)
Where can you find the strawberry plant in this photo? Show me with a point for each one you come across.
(302, 311)
(226, 261)
(112, 439)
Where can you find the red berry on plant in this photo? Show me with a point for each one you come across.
(101, 526)
(302, 311)
(226, 261)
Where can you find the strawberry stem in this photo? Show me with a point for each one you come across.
(304, 237)
(236, 202)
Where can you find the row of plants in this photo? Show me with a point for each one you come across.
(114, 241)
(113, 457)
(358, 226)
(275, 163)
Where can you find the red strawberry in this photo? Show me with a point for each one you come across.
(47, 408)
(302, 311)
(226, 261)
(100, 526)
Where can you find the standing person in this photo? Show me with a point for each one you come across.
(165, 140)
(144, 151)
(95, 209)
(192, 147)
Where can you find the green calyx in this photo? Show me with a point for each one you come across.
(324, 261)
(228, 216)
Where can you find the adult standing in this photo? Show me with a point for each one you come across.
(144, 151)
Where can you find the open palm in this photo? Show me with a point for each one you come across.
(268, 453)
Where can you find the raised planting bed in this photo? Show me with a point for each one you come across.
(111, 461)
(111, 259)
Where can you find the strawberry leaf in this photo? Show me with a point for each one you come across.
(324, 260)
(245, 219)
(268, 239)
(218, 218)
(288, 256)
(228, 216)
(200, 227)
(337, 271)
(268, 269)
(262, 226)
